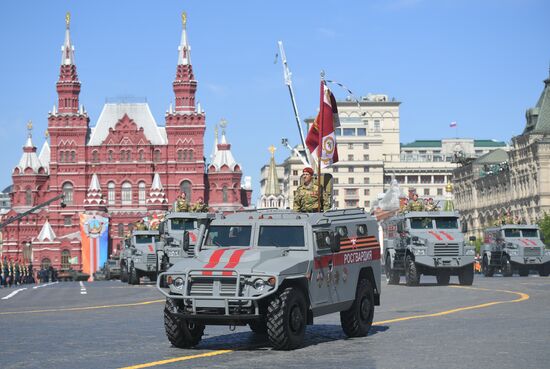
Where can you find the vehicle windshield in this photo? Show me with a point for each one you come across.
(513, 232)
(181, 224)
(421, 223)
(530, 233)
(144, 239)
(227, 236)
(446, 223)
(281, 236)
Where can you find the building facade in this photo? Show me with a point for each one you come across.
(124, 167)
(514, 183)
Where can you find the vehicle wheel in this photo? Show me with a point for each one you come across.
(488, 271)
(544, 270)
(180, 332)
(392, 276)
(124, 274)
(108, 275)
(357, 321)
(466, 275)
(412, 277)
(443, 278)
(507, 270)
(134, 277)
(258, 327)
(523, 271)
(286, 319)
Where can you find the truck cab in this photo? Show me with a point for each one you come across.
(514, 247)
(142, 259)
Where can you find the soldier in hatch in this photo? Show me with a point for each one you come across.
(415, 204)
(306, 198)
(181, 203)
(199, 206)
(140, 225)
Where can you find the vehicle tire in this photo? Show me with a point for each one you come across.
(466, 275)
(124, 274)
(523, 271)
(286, 319)
(133, 277)
(180, 332)
(488, 271)
(507, 270)
(544, 270)
(357, 320)
(392, 276)
(108, 276)
(412, 277)
(443, 277)
(258, 327)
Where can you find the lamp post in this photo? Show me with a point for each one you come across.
(27, 252)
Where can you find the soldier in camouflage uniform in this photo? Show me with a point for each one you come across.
(415, 204)
(306, 198)
(140, 225)
(199, 206)
(181, 203)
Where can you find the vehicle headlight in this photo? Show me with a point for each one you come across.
(178, 283)
(469, 252)
(419, 242)
(139, 252)
(513, 252)
(259, 284)
(510, 245)
(547, 252)
(419, 251)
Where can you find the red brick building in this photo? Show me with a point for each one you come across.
(123, 167)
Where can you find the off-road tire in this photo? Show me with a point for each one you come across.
(133, 278)
(507, 270)
(258, 327)
(523, 271)
(124, 274)
(487, 270)
(287, 319)
(357, 320)
(544, 270)
(392, 276)
(412, 277)
(466, 275)
(108, 276)
(443, 277)
(180, 332)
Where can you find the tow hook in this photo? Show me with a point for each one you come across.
(232, 327)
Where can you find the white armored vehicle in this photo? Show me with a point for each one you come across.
(429, 243)
(276, 271)
(142, 259)
(514, 247)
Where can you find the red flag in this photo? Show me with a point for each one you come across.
(322, 129)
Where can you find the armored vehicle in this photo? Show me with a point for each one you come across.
(514, 247)
(125, 254)
(178, 235)
(112, 268)
(429, 243)
(143, 256)
(275, 271)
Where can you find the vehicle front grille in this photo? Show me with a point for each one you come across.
(151, 258)
(442, 249)
(224, 287)
(528, 251)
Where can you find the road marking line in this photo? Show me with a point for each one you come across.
(177, 359)
(523, 297)
(44, 285)
(13, 293)
(82, 289)
(81, 308)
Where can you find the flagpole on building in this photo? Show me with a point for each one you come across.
(320, 146)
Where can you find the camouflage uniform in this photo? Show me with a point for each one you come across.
(306, 198)
(199, 207)
(181, 205)
(141, 226)
(415, 205)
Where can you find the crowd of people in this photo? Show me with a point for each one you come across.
(14, 273)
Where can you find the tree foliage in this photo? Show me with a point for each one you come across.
(544, 225)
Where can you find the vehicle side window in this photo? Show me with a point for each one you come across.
(361, 229)
(281, 236)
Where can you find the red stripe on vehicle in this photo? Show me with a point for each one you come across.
(449, 237)
(439, 238)
(233, 261)
(214, 260)
(524, 241)
(532, 242)
(151, 249)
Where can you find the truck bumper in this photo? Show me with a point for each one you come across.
(534, 261)
(450, 262)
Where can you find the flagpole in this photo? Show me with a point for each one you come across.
(320, 147)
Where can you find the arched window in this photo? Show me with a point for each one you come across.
(128, 155)
(156, 155)
(224, 194)
(65, 255)
(120, 230)
(180, 155)
(28, 197)
(126, 193)
(122, 155)
(184, 155)
(45, 264)
(110, 155)
(61, 156)
(141, 155)
(95, 156)
(73, 156)
(141, 193)
(111, 193)
(190, 154)
(185, 187)
(68, 192)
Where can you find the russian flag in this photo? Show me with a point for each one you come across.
(453, 124)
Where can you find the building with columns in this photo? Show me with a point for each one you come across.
(124, 167)
(516, 182)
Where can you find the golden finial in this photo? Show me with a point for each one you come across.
(272, 150)
(449, 187)
(68, 19)
(29, 125)
(184, 19)
(47, 134)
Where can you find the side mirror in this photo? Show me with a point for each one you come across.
(415, 239)
(464, 228)
(472, 238)
(169, 240)
(186, 241)
(335, 242)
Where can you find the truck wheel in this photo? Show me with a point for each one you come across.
(286, 319)
(466, 275)
(544, 270)
(108, 275)
(180, 332)
(392, 276)
(443, 278)
(258, 327)
(523, 271)
(488, 271)
(357, 321)
(412, 277)
(124, 274)
(507, 270)
(134, 277)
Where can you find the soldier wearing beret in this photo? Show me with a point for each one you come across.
(306, 198)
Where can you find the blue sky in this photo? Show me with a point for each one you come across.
(480, 63)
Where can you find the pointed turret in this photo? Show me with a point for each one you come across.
(94, 200)
(272, 184)
(44, 155)
(157, 197)
(68, 85)
(29, 159)
(47, 233)
(223, 157)
(185, 85)
(538, 117)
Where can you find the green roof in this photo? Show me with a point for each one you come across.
(495, 156)
(489, 143)
(538, 118)
(423, 143)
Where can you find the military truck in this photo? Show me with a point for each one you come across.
(178, 234)
(429, 243)
(276, 270)
(112, 268)
(143, 256)
(514, 247)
